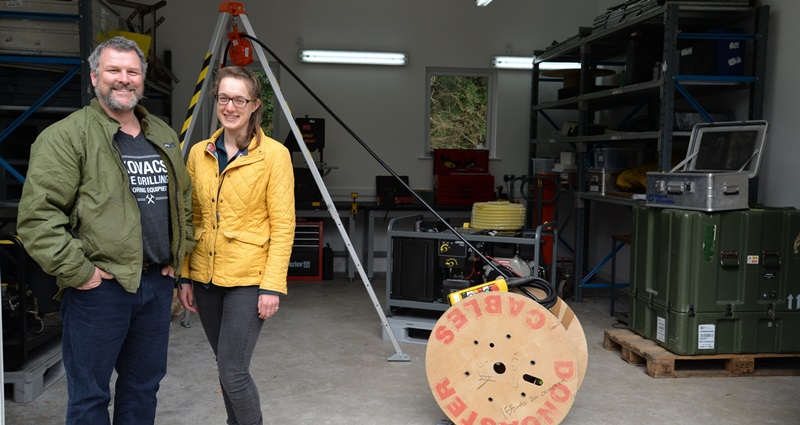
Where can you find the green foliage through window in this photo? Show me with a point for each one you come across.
(459, 111)
(268, 100)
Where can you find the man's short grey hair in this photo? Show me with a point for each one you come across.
(120, 44)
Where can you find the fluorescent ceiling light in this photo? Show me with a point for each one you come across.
(559, 65)
(482, 2)
(526, 62)
(350, 57)
(512, 62)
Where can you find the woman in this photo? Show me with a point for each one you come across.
(243, 200)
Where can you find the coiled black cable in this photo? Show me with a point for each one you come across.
(536, 282)
(532, 281)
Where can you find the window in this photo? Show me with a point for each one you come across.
(271, 115)
(459, 109)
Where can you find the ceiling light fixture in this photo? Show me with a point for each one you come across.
(526, 62)
(352, 57)
(482, 2)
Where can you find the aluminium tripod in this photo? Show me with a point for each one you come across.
(240, 51)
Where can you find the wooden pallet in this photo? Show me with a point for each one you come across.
(662, 363)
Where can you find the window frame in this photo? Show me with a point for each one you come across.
(491, 107)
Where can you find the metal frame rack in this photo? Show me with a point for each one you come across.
(676, 23)
(401, 227)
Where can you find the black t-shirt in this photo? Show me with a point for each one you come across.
(148, 179)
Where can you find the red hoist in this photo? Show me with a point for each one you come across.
(241, 52)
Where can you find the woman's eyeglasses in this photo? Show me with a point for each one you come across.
(238, 102)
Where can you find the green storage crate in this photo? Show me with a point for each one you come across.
(641, 316)
(721, 332)
(779, 271)
(703, 266)
(699, 262)
(645, 251)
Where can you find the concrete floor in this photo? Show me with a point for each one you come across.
(322, 361)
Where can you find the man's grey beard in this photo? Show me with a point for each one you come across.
(112, 102)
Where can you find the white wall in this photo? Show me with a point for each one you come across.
(384, 105)
(779, 167)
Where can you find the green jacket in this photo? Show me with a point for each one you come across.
(77, 210)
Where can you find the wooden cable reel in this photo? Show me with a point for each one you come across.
(501, 358)
(573, 326)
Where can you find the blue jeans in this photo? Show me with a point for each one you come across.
(107, 328)
(230, 320)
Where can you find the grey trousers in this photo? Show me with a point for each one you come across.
(231, 323)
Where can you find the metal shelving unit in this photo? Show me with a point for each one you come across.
(17, 57)
(48, 75)
(673, 25)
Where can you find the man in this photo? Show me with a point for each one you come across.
(106, 208)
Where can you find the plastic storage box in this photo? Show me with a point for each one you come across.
(715, 332)
(716, 283)
(463, 189)
(451, 161)
(620, 158)
(692, 261)
(601, 180)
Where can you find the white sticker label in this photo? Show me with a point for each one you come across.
(752, 259)
(661, 329)
(706, 336)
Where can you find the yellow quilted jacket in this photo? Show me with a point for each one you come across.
(244, 218)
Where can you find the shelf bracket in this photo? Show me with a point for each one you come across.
(549, 120)
(699, 108)
(590, 275)
(718, 78)
(28, 112)
(631, 114)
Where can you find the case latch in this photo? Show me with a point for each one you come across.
(771, 259)
(729, 259)
(678, 187)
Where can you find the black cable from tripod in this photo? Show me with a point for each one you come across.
(369, 150)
